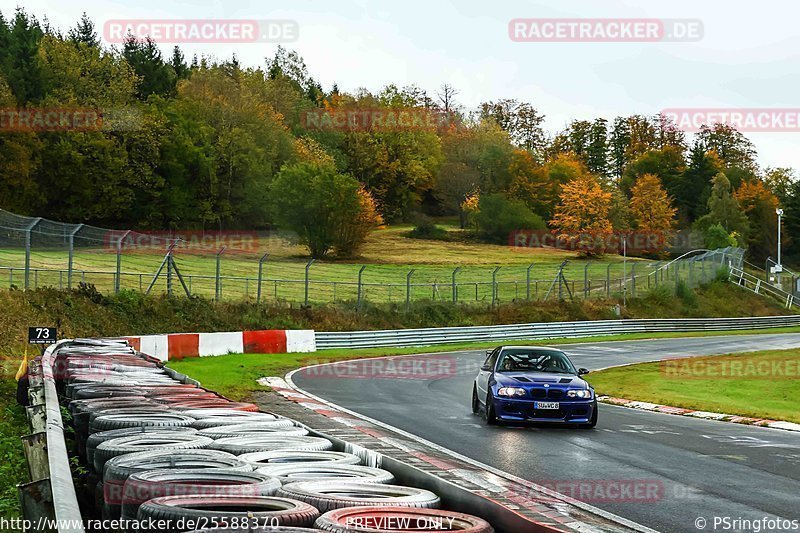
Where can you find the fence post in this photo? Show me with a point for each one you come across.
(260, 276)
(71, 254)
(218, 284)
(691, 273)
(28, 231)
(455, 287)
(633, 280)
(118, 276)
(308, 267)
(408, 289)
(608, 280)
(494, 285)
(528, 282)
(586, 280)
(360, 273)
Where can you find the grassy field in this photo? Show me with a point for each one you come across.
(235, 375)
(389, 253)
(759, 384)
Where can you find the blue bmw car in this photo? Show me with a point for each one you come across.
(533, 384)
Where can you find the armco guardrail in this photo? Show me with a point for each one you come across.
(61, 503)
(547, 330)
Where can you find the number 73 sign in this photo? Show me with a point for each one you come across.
(39, 335)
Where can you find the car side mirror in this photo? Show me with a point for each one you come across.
(486, 368)
(583, 371)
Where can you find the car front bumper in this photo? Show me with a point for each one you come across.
(517, 410)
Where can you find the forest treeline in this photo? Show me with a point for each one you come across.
(215, 144)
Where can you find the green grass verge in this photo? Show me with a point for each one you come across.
(750, 392)
(235, 375)
(13, 468)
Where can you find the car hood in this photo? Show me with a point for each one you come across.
(521, 379)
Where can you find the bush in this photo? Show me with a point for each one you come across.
(329, 211)
(498, 216)
(715, 237)
(426, 229)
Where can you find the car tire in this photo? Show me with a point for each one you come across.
(262, 510)
(488, 413)
(315, 472)
(476, 403)
(329, 495)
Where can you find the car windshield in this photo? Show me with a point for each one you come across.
(521, 360)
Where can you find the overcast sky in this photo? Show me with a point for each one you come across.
(748, 57)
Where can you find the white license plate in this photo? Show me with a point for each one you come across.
(545, 405)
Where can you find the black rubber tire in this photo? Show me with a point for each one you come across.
(295, 472)
(282, 457)
(95, 439)
(118, 469)
(476, 403)
(341, 520)
(264, 510)
(266, 443)
(149, 441)
(143, 486)
(328, 495)
(488, 412)
(207, 418)
(106, 422)
(270, 427)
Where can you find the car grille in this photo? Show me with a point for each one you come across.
(550, 394)
(548, 413)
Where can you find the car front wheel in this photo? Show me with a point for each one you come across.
(489, 414)
(476, 404)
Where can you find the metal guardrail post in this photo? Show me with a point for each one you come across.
(455, 287)
(28, 231)
(308, 267)
(360, 285)
(260, 276)
(218, 280)
(408, 289)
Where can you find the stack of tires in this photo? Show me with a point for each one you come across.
(164, 454)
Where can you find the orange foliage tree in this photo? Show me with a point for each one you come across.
(759, 204)
(652, 211)
(583, 213)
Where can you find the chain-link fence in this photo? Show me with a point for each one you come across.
(36, 252)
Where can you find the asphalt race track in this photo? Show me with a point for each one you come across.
(705, 468)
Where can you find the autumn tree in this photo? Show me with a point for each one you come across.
(652, 211)
(583, 212)
(759, 204)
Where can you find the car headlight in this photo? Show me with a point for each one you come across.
(510, 391)
(579, 393)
